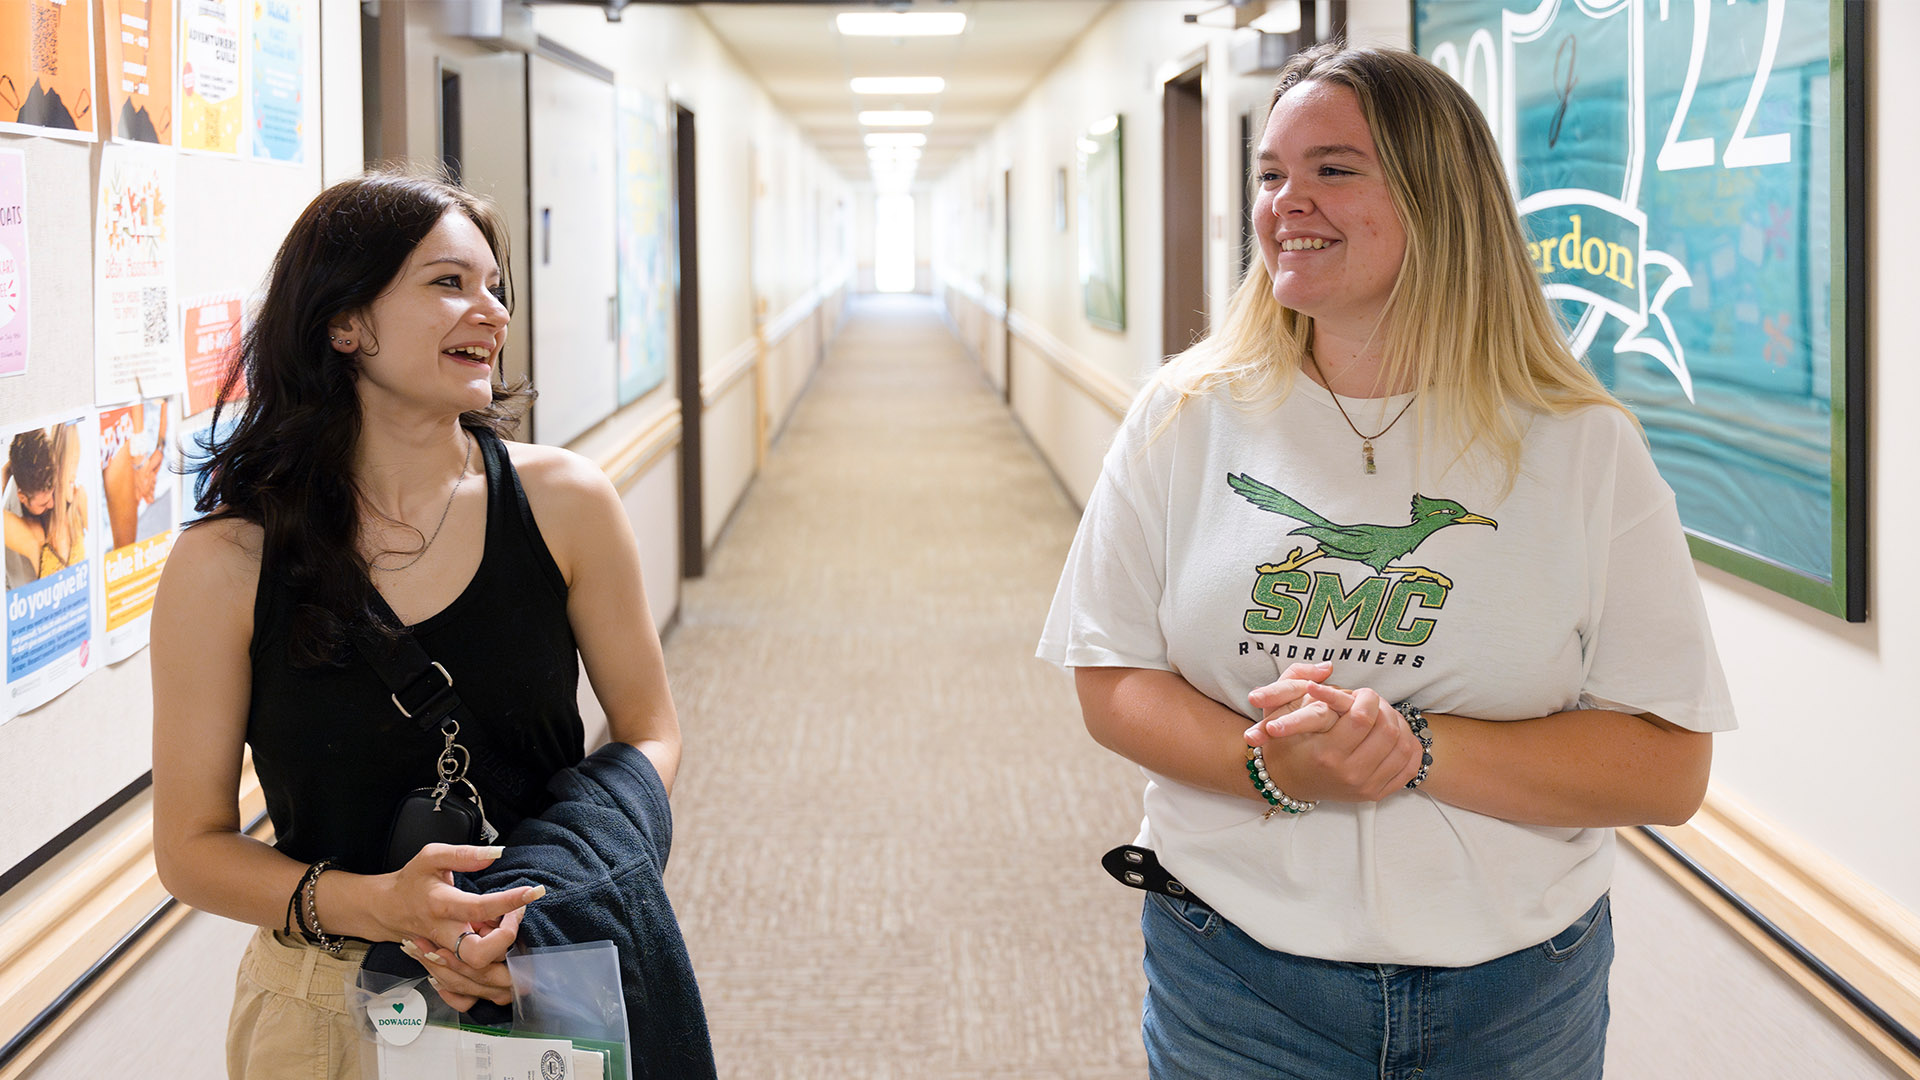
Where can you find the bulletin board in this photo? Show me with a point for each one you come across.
(227, 211)
(1690, 174)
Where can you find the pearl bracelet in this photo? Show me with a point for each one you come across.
(1277, 800)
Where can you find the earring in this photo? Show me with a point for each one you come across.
(342, 341)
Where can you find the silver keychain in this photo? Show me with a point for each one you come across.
(452, 768)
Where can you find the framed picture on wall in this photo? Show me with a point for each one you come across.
(1103, 268)
(1691, 177)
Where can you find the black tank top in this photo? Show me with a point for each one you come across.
(334, 756)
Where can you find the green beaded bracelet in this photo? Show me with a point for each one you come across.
(1277, 800)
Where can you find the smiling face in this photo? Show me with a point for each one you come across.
(429, 340)
(1328, 232)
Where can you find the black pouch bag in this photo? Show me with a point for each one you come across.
(422, 691)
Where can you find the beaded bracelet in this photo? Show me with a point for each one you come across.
(1417, 723)
(1277, 800)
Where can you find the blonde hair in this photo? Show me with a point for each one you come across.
(1466, 323)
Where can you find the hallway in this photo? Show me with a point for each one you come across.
(868, 887)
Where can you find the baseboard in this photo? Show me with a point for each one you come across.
(64, 931)
(1861, 933)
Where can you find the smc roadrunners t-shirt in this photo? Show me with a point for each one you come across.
(1239, 540)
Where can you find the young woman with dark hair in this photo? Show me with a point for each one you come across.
(366, 488)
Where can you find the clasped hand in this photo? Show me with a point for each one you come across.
(462, 938)
(1323, 742)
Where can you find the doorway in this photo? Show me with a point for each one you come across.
(686, 291)
(1006, 285)
(1183, 305)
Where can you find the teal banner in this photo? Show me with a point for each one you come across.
(1674, 164)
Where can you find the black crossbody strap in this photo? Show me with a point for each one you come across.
(422, 690)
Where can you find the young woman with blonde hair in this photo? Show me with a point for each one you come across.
(1381, 589)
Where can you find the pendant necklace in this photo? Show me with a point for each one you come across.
(465, 464)
(1366, 441)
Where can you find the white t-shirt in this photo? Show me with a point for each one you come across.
(1582, 594)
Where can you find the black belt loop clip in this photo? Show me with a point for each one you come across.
(1139, 868)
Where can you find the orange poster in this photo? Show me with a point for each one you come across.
(46, 68)
(212, 339)
(140, 76)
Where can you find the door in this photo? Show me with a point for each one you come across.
(686, 219)
(1183, 308)
(570, 134)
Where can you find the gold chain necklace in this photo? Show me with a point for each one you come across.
(1366, 441)
(465, 464)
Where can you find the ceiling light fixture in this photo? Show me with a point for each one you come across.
(898, 84)
(897, 139)
(896, 118)
(901, 23)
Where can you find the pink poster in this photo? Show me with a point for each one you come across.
(13, 262)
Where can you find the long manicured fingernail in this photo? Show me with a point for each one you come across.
(410, 948)
(492, 852)
(435, 957)
(433, 982)
(538, 892)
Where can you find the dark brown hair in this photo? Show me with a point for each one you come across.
(288, 465)
(31, 459)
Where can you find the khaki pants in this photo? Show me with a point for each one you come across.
(290, 1017)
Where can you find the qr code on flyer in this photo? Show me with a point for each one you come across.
(153, 316)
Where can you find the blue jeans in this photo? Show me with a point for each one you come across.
(1221, 1006)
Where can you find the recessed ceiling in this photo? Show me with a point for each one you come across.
(806, 66)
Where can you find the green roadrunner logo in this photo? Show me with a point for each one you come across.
(1292, 601)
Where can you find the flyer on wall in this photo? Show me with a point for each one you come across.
(13, 262)
(138, 35)
(51, 599)
(277, 51)
(210, 75)
(136, 349)
(46, 68)
(210, 334)
(139, 486)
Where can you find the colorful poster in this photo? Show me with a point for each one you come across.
(13, 262)
(1685, 212)
(46, 68)
(644, 241)
(210, 91)
(140, 488)
(140, 76)
(136, 351)
(210, 334)
(276, 70)
(50, 596)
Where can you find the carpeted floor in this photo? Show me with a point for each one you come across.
(889, 819)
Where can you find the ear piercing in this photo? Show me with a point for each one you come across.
(342, 341)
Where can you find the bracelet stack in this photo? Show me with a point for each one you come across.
(1417, 723)
(303, 916)
(1277, 800)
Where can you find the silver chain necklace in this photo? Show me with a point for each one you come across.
(465, 464)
